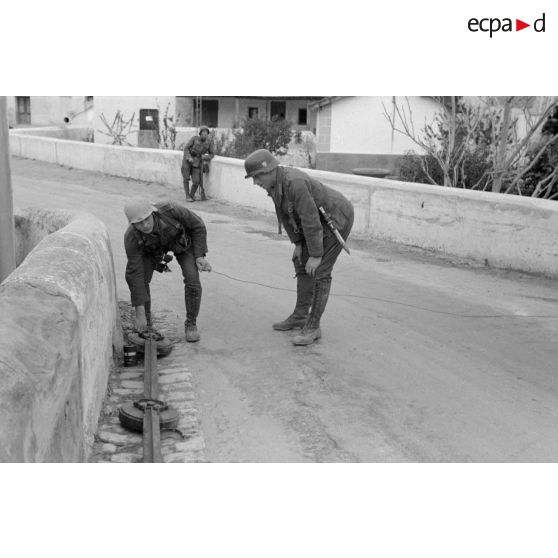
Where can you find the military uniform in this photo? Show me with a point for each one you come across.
(177, 230)
(298, 199)
(195, 149)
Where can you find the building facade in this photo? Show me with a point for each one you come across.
(354, 132)
(220, 113)
(48, 111)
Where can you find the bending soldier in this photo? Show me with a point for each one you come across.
(297, 198)
(153, 231)
(197, 154)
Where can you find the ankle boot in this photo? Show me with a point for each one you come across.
(311, 331)
(304, 289)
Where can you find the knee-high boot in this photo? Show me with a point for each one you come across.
(192, 296)
(304, 289)
(311, 330)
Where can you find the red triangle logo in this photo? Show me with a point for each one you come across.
(519, 25)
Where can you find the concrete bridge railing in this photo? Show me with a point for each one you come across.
(59, 327)
(501, 230)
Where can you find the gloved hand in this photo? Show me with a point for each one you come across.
(297, 254)
(203, 264)
(312, 264)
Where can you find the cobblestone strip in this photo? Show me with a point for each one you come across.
(115, 444)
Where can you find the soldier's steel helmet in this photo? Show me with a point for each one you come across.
(201, 128)
(138, 209)
(260, 162)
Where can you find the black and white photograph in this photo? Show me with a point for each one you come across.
(279, 279)
(326, 323)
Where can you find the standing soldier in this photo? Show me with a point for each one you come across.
(198, 152)
(153, 231)
(304, 207)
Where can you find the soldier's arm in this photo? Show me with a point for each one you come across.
(309, 215)
(194, 226)
(134, 271)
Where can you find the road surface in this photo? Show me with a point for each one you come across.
(428, 360)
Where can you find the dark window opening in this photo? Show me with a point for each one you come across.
(23, 110)
(209, 112)
(277, 110)
(253, 112)
(302, 117)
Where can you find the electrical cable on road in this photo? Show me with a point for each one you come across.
(433, 311)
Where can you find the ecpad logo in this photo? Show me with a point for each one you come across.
(492, 25)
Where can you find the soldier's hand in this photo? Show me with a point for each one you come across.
(203, 264)
(311, 265)
(297, 254)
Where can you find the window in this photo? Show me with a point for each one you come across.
(209, 112)
(253, 112)
(23, 110)
(302, 117)
(277, 110)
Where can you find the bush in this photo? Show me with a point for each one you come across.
(256, 133)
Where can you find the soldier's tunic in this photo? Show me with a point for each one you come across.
(177, 230)
(297, 198)
(195, 148)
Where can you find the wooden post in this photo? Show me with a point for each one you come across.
(7, 235)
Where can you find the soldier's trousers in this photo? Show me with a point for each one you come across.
(332, 249)
(191, 278)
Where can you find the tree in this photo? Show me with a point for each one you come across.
(481, 147)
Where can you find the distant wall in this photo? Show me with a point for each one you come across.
(59, 326)
(67, 133)
(507, 231)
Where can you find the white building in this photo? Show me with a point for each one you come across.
(49, 111)
(354, 132)
(221, 113)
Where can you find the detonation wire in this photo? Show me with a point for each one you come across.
(387, 301)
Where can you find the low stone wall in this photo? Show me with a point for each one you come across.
(501, 230)
(68, 133)
(59, 327)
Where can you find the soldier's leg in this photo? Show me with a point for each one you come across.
(186, 178)
(192, 294)
(148, 269)
(322, 286)
(204, 169)
(304, 289)
(195, 182)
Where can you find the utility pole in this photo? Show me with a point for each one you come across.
(7, 235)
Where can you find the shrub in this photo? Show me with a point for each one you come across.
(256, 133)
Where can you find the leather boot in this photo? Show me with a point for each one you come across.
(187, 188)
(202, 193)
(304, 289)
(311, 330)
(193, 302)
(193, 192)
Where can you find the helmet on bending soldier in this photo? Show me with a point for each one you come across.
(260, 162)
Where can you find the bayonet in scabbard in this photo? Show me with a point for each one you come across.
(334, 230)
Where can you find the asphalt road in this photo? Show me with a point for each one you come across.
(428, 360)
